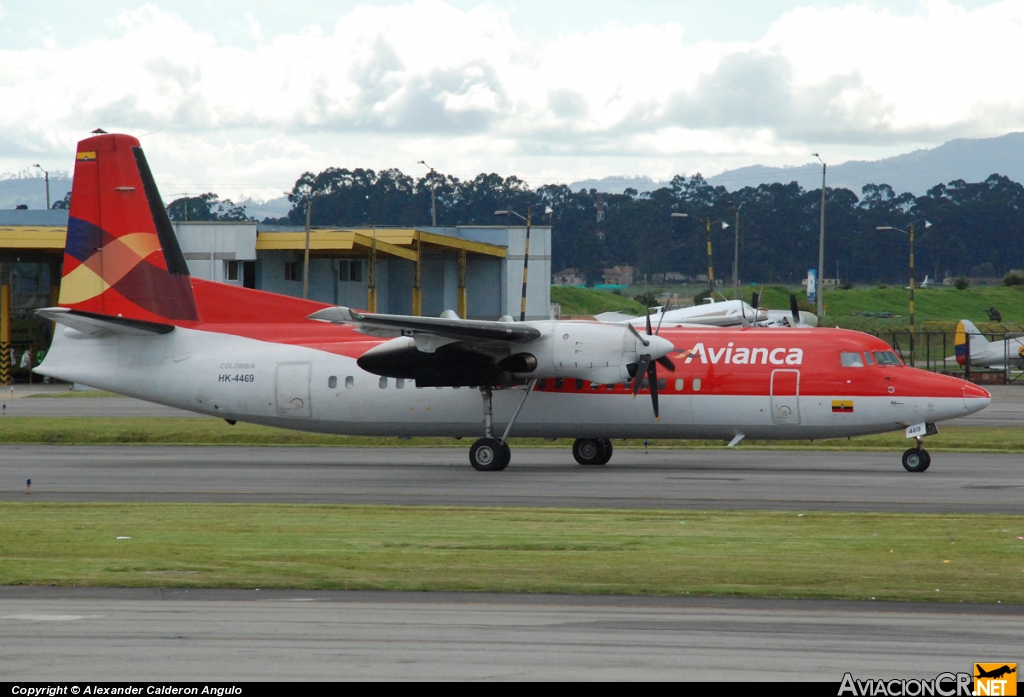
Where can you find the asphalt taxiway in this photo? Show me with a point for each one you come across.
(75, 634)
(678, 478)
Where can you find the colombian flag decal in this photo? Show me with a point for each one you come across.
(842, 406)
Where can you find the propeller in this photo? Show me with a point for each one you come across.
(648, 365)
(794, 309)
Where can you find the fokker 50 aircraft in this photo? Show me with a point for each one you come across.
(993, 354)
(134, 322)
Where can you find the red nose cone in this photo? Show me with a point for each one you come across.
(974, 392)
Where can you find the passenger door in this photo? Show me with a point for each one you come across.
(293, 390)
(785, 397)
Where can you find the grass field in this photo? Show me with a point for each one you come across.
(584, 301)
(210, 431)
(971, 558)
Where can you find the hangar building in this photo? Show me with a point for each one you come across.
(475, 270)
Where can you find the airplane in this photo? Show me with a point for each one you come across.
(134, 322)
(725, 313)
(995, 672)
(993, 354)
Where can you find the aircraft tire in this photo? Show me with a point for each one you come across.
(589, 451)
(916, 460)
(606, 445)
(489, 455)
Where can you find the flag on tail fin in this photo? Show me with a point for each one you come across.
(121, 257)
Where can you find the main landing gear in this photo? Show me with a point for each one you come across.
(592, 451)
(490, 454)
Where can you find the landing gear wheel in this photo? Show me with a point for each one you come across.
(607, 445)
(590, 451)
(916, 460)
(489, 455)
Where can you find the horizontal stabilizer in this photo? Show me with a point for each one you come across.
(95, 324)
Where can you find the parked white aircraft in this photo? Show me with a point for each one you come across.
(992, 354)
(724, 313)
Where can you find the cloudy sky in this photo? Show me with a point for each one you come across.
(241, 97)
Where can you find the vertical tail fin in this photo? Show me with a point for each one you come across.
(964, 328)
(121, 257)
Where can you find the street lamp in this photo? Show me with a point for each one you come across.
(526, 253)
(707, 234)
(736, 256)
(910, 233)
(821, 241)
(433, 200)
(46, 176)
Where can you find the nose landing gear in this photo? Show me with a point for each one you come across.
(916, 459)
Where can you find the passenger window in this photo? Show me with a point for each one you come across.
(887, 358)
(696, 384)
(868, 358)
(383, 382)
(332, 381)
(679, 384)
(662, 384)
(349, 382)
(559, 383)
(400, 383)
(579, 384)
(595, 385)
(852, 359)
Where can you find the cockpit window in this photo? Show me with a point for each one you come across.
(852, 359)
(886, 358)
(870, 360)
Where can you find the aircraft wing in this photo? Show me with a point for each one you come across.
(468, 330)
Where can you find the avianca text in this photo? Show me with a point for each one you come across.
(745, 356)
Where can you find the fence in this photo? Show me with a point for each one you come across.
(936, 351)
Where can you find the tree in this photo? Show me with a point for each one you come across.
(205, 207)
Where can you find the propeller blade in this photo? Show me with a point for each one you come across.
(641, 370)
(637, 334)
(667, 362)
(649, 332)
(755, 300)
(793, 307)
(652, 379)
(661, 317)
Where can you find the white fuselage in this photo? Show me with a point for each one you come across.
(243, 379)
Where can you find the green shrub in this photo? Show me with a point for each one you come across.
(961, 283)
(1013, 279)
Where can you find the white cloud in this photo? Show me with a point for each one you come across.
(387, 86)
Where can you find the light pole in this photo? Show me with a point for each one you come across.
(736, 256)
(46, 176)
(707, 234)
(821, 241)
(910, 233)
(433, 199)
(526, 252)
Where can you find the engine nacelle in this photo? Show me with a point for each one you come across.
(600, 353)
